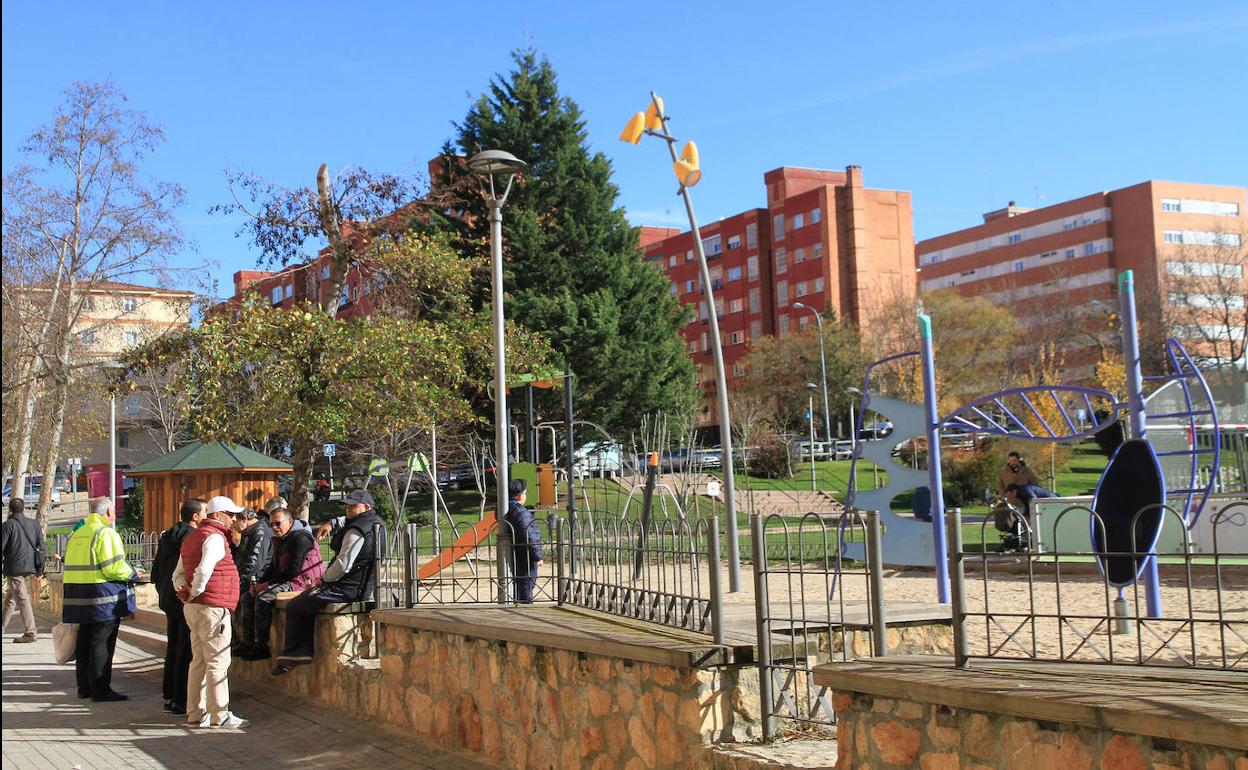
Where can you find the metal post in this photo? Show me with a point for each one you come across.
(112, 450)
(1135, 410)
(501, 471)
(823, 374)
(411, 538)
(647, 503)
(810, 407)
(721, 380)
(958, 608)
(558, 561)
(569, 465)
(331, 473)
(875, 565)
(762, 620)
(530, 432)
(933, 458)
(717, 591)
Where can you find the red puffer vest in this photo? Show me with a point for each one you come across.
(222, 588)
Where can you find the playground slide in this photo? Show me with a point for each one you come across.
(463, 545)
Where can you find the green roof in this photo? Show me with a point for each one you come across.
(217, 455)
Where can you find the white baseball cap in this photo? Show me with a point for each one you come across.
(223, 503)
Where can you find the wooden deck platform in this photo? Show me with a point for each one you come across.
(1201, 706)
(574, 628)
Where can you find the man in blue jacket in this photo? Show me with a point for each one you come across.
(526, 541)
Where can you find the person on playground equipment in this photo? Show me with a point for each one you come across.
(526, 539)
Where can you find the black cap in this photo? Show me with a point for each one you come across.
(360, 496)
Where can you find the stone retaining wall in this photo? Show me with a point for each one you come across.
(50, 595)
(876, 732)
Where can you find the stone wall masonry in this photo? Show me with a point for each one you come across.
(877, 732)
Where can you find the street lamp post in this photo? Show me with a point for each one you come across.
(487, 164)
(810, 418)
(688, 172)
(823, 371)
(113, 366)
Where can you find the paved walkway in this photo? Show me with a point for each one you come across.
(46, 726)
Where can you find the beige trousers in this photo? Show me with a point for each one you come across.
(17, 599)
(207, 686)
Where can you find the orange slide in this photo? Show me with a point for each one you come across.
(463, 544)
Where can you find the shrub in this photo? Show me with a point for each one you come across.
(771, 458)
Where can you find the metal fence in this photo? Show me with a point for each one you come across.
(806, 611)
(665, 571)
(1060, 605)
(140, 550)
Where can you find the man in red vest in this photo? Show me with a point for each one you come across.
(207, 583)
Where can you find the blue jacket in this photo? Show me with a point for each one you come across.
(525, 531)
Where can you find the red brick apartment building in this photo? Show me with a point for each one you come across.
(302, 282)
(1061, 261)
(823, 240)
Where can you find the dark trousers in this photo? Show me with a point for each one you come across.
(301, 618)
(263, 606)
(244, 620)
(177, 654)
(94, 657)
(524, 576)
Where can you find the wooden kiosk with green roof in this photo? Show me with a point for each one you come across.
(205, 470)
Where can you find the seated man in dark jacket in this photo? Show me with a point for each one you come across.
(251, 558)
(351, 577)
(177, 633)
(296, 565)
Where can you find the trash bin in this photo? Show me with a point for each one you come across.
(921, 503)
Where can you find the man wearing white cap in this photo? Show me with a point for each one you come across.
(206, 580)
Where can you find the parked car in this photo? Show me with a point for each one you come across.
(466, 477)
(823, 450)
(844, 449)
(598, 458)
(34, 485)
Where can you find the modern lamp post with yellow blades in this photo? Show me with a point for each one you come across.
(685, 165)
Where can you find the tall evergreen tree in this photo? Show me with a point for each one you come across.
(574, 272)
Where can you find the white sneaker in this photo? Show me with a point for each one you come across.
(202, 722)
(231, 720)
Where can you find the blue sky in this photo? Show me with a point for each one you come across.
(965, 109)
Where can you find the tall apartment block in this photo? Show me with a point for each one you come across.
(823, 240)
(1064, 258)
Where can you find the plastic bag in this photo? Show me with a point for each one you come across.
(64, 640)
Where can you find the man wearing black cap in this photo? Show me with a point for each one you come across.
(350, 577)
(526, 541)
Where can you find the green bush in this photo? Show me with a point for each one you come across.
(134, 510)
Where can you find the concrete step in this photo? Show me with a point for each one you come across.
(145, 638)
(149, 618)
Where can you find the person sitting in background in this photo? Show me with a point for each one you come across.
(252, 559)
(177, 634)
(351, 577)
(296, 565)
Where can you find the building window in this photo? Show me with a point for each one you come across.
(1172, 236)
(799, 221)
(1170, 204)
(1070, 253)
(276, 295)
(816, 251)
(688, 287)
(1089, 249)
(751, 268)
(290, 288)
(818, 285)
(1048, 255)
(87, 337)
(130, 405)
(345, 297)
(712, 245)
(1205, 269)
(756, 330)
(702, 311)
(782, 293)
(129, 305)
(737, 338)
(782, 261)
(738, 370)
(734, 241)
(705, 345)
(751, 235)
(130, 338)
(689, 255)
(693, 346)
(719, 307)
(803, 322)
(1015, 238)
(675, 289)
(734, 273)
(814, 216)
(736, 306)
(777, 226)
(123, 440)
(782, 325)
(799, 255)
(325, 272)
(755, 300)
(799, 289)
(1018, 266)
(88, 303)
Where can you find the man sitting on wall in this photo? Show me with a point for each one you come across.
(296, 565)
(351, 577)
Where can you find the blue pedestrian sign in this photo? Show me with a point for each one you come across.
(330, 450)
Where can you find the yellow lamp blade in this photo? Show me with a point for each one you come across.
(654, 117)
(635, 128)
(687, 173)
(690, 154)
